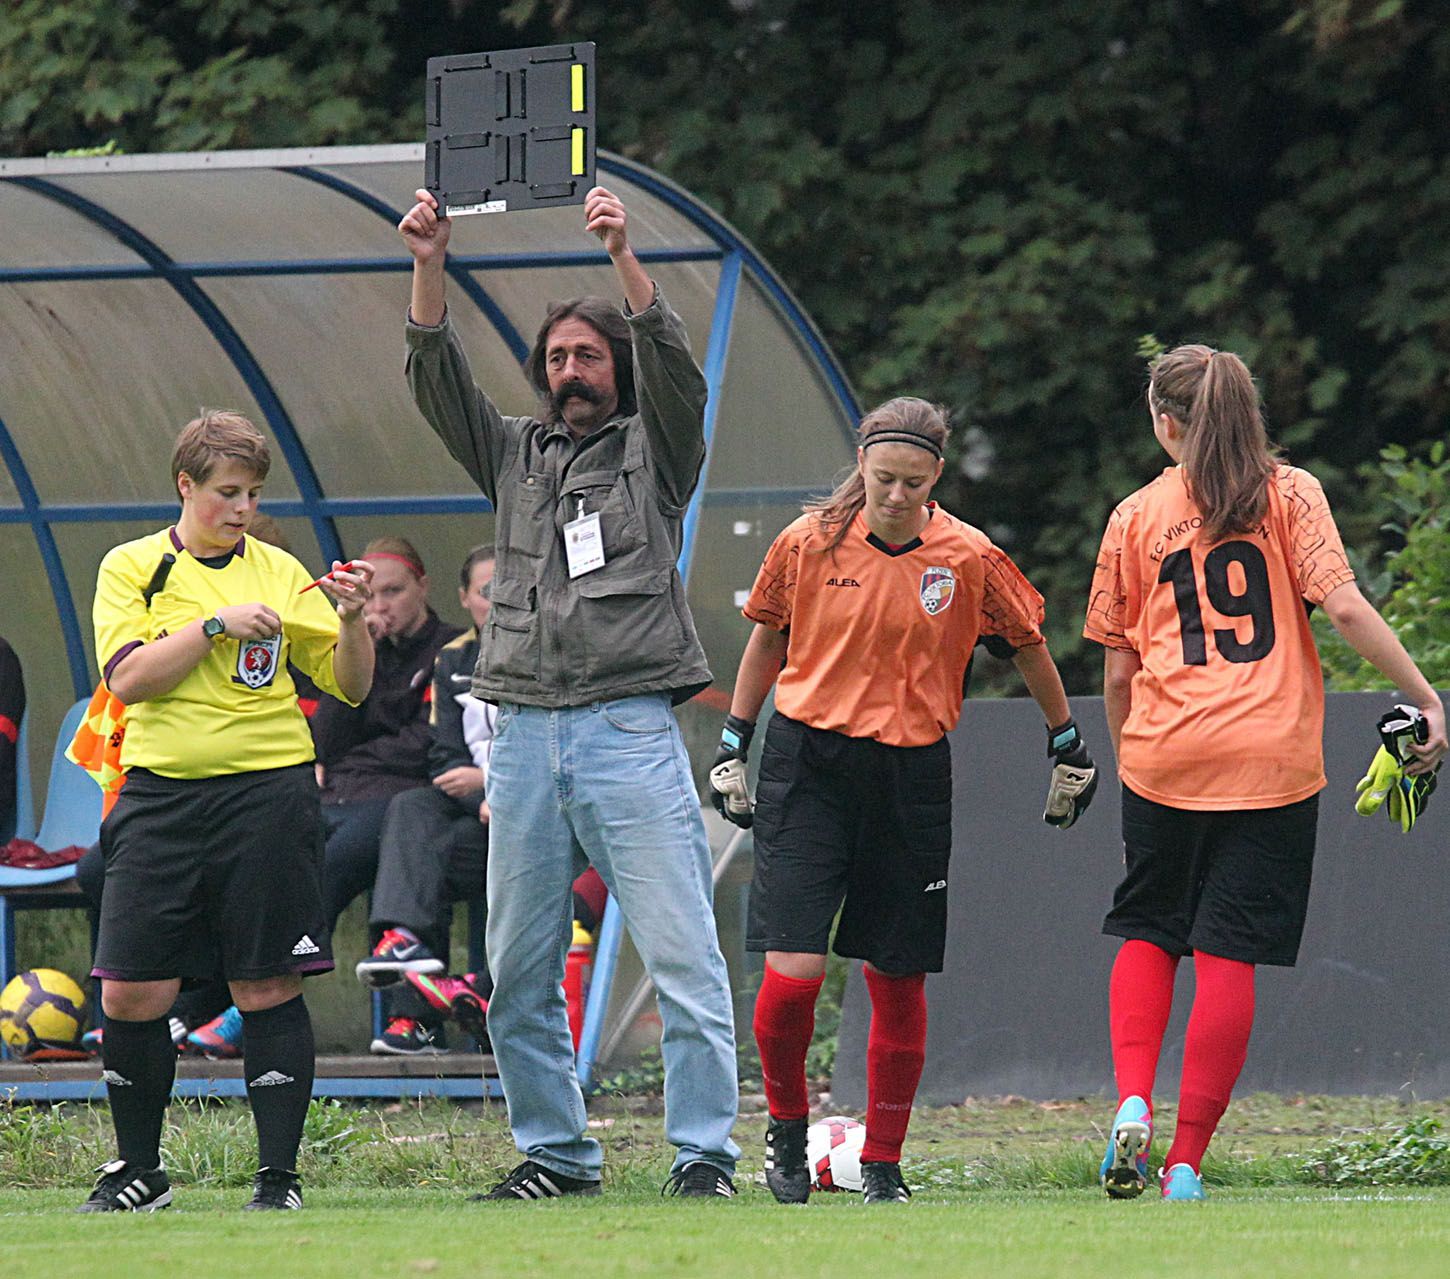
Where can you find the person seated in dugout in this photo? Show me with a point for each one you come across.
(369, 754)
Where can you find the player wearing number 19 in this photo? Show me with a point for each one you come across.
(1215, 704)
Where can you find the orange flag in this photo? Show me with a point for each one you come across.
(96, 747)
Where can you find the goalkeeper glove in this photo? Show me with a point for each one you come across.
(1377, 785)
(1408, 799)
(1074, 779)
(1404, 798)
(729, 790)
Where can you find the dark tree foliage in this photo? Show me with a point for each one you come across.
(985, 203)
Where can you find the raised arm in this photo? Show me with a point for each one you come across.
(667, 381)
(426, 234)
(465, 419)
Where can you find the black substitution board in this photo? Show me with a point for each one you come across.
(511, 130)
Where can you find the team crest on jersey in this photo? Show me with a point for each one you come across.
(257, 662)
(938, 585)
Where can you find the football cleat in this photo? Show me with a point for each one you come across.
(1181, 1183)
(121, 1188)
(533, 1181)
(881, 1183)
(275, 1189)
(405, 1037)
(786, 1172)
(397, 952)
(1124, 1170)
(220, 1038)
(699, 1180)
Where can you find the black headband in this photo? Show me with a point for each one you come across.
(903, 437)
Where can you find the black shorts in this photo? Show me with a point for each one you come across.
(1233, 884)
(214, 874)
(849, 819)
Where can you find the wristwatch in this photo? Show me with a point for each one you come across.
(213, 627)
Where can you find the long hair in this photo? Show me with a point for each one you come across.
(609, 320)
(904, 414)
(1227, 456)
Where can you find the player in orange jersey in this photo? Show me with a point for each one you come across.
(866, 612)
(1215, 703)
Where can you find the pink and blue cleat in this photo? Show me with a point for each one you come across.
(1181, 1183)
(1124, 1171)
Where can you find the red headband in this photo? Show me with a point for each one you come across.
(414, 566)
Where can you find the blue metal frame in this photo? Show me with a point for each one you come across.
(31, 512)
(226, 337)
(340, 266)
(477, 294)
(730, 239)
(285, 508)
(396, 1086)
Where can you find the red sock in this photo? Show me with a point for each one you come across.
(1213, 1052)
(785, 1019)
(895, 1051)
(1140, 997)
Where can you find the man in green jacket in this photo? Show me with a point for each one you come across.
(588, 645)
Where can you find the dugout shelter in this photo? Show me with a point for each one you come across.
(136, 289)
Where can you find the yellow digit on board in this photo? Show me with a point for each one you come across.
(577, 85)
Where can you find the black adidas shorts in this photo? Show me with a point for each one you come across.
(846, 819)
(215, 872)
(1233, 884)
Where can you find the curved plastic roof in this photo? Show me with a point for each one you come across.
(135, 289)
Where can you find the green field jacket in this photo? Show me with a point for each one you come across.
(624, 628)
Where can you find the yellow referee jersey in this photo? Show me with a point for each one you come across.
(236, 712)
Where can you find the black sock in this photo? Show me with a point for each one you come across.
(280, 1061)
(140, 1067)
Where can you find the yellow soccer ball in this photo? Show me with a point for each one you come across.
(41, 1008)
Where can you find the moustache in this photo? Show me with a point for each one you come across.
(574, 389)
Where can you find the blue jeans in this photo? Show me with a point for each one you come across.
(609, 783)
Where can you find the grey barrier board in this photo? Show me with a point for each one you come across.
(510, 130)
(1022, 1007)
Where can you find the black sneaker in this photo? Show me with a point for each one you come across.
(121, 1188)
(699, 1180)
(275, 1189)
(533, 1181)
(881, 1184)
(786, 1172)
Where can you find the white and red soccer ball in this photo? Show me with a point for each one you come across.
(833, 1153)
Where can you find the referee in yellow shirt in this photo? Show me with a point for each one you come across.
(214, 848)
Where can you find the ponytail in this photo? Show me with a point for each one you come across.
(903, 420)
(1227, 457)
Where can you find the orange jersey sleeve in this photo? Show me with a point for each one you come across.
(1227, 711)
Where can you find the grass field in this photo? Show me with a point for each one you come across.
(1002, 1186)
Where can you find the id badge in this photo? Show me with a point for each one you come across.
(584, 544)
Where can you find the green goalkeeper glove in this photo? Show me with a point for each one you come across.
(1377, 785)
(1403, 798)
